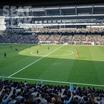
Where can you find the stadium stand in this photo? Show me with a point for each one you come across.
(18, 39)
(81, 24)
(53, 39)
(24, 93)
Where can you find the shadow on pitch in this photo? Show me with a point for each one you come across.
(73, 70)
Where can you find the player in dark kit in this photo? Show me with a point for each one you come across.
(16, 49)
(48, 48)
(5, 54)
(37, 51)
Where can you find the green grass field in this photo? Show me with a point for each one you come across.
(82, 65)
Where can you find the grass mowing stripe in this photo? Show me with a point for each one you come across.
(34, 62)
(52, 81)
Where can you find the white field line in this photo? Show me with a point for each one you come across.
(35, 61)
(52, 81)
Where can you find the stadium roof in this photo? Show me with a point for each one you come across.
(49, 2)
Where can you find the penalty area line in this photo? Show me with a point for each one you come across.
(51, 81)
(34, 61)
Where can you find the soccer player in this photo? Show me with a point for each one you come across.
(5, 54)
(48, 48)
(16, 49)
(37, 51)
(77, 52)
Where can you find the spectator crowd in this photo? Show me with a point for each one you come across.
(18, 38)
(72, 39)
(53, 39)
(39, 93)
(57, 36)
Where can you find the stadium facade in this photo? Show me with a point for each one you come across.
(29, 19)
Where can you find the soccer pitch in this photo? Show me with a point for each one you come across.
(83, 65)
